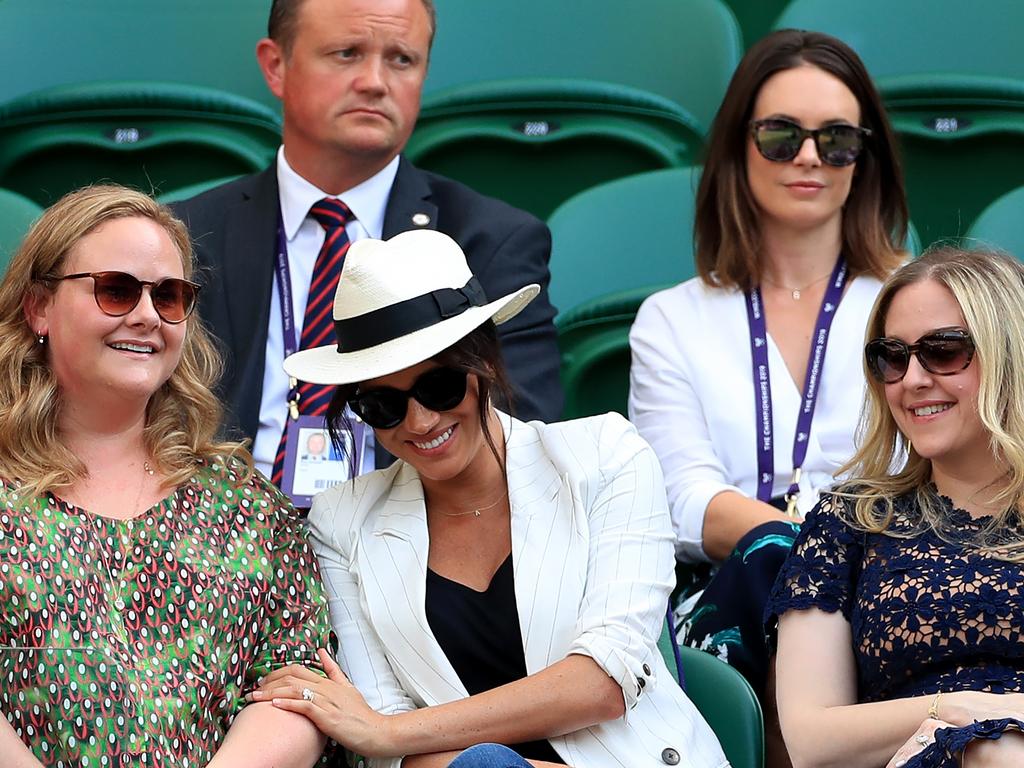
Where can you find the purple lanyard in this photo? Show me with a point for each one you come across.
(763, 388)
(284, 292)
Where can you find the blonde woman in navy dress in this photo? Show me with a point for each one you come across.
(900, 618)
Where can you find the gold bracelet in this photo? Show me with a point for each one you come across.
(933, 710)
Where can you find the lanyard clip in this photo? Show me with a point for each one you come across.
(793, 494)
(293, 399)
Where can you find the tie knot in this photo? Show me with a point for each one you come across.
(331, 213)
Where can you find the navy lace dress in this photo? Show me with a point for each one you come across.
(927, 614)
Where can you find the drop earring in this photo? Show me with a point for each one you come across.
(41, 338)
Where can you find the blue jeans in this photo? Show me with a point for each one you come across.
(488, 756)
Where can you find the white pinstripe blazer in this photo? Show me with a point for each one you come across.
(592, 551)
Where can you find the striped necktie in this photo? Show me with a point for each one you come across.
(318, 323)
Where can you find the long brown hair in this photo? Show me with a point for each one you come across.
(727, 232)
(182, 417)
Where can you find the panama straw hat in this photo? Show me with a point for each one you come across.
(400, 302)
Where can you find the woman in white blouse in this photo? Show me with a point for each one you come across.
(751, 371)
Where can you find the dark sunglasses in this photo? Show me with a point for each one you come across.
(439, 389)
(942, 353)
(118, 293)
(779, 140)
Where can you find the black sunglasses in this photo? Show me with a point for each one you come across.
(779, 140)
(439, 389)
(118, 293)
(942, 352)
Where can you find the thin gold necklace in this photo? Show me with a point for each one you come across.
(795, 292)
(476, 512)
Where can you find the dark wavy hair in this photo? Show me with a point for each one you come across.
(478, 353)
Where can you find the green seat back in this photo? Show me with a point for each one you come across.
(535, 143)
(594, 342)
(953, 80)
(152, 136)
(726, 701)
(755, 17)
(1001, 225)
(628, 233)
(192, 42)
(16, 216)
(191, 190)
(684, 51)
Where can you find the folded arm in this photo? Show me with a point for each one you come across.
(817, 694)
(13, 752)
(295, 741)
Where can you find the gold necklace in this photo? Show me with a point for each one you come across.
(795, 292)
(476, 512)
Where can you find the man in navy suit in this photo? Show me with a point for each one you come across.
(349, 74)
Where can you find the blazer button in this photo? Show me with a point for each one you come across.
(642, 682)
(647, 669)
(669, 756)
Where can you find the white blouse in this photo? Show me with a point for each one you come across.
(691, 396)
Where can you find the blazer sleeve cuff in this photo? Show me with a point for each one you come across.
(634, 675)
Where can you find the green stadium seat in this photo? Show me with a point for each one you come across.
(192, 42)
(594, 250)
(755, 17)
(728, 703)
(1001, 225)
(953, 82)
(151, 136)
(594, 342)
(683, 51)
(191, 190)
(16, 216)
(535, 143)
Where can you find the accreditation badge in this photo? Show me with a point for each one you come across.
(312, 463)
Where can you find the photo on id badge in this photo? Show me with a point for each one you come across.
(313, 463)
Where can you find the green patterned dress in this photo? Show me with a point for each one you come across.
(132, 642)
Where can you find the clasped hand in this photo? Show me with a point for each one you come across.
(333, 704)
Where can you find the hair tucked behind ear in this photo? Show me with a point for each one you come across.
(183, 416)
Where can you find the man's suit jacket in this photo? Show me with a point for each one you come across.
(234, 230)
(592, 552)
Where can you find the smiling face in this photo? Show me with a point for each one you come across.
(440, 445)
(94, 356)
(937, 414)
(802, 193)
(350, 84)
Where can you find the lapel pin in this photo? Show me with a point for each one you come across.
(420, 219)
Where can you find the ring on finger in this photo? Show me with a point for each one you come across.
(921, 738)
(307, 694)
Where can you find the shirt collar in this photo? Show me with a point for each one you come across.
(368, 200)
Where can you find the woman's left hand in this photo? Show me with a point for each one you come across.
(921, 740)
(333, 704)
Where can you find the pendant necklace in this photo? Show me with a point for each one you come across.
(476, 512)
(795, 292)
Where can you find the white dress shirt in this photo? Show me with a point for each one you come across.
(593, 569)
(368, 202)
(691, 395)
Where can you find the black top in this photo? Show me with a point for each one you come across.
(479, 633)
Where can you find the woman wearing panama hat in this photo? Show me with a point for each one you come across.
(502, 582)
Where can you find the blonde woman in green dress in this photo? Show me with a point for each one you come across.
(148, 577)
